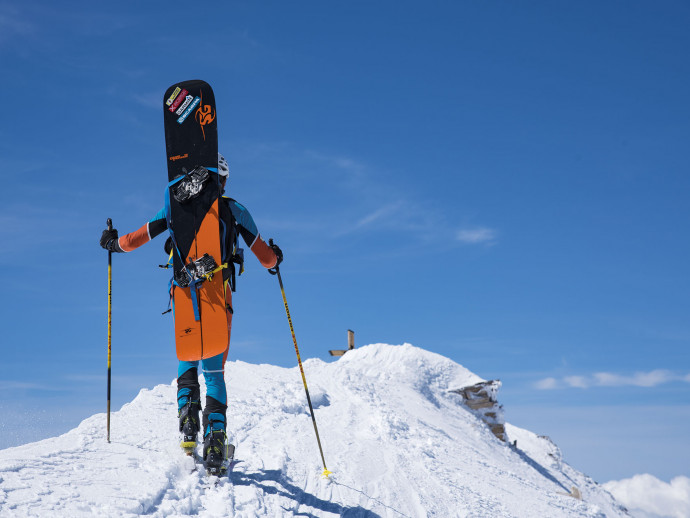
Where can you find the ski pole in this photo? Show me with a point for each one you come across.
(109, 222)
(301, 369)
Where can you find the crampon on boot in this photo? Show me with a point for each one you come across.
(189, 424)
(215, 445)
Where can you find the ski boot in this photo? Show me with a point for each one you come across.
(189, 425)
(215, 445)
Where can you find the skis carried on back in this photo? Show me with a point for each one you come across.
(192, 208)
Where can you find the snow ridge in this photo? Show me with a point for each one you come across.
(399, 442)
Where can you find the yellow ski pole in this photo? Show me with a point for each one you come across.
(301, 369)
(110, 299)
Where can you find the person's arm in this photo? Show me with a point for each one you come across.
(111, 241)
(268, 256)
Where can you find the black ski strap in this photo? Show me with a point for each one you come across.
(236, 259)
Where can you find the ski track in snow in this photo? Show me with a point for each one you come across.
(398, 442)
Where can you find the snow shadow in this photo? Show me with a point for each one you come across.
(541, 469)
(263, 479)
(370, 498)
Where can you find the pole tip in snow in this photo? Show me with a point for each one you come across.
(326, 473)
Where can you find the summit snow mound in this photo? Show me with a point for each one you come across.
(396, 436)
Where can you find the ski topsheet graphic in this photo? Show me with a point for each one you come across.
(192, 210)
(191, 132)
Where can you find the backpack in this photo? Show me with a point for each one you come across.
(231, 254)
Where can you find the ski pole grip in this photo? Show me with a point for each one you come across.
(109, 223)
(273, 270)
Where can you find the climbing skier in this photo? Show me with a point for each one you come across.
(188, 393)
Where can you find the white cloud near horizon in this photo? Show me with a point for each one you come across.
(478, 235)
(647, 496)
(607, 379)
(546, 384)
(639, 379)
(576, 381)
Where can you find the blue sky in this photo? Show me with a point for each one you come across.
(503, 183)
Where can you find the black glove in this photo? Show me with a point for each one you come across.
(276, 249)
(109, 240)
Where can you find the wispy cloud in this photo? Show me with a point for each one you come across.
(576, 381)
(477, 235)
(150, 100)
(20, 223)
(385, 215)
(12, 385)
(546, 384)
(360, 197)
(607, 379)
(341, 162)
(138, 201)
(391, 208)
(12, 23)
(378, 214)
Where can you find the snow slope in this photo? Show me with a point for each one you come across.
(399, 443)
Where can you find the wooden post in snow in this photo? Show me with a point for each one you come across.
(350, 344)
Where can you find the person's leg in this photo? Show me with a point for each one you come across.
(188, 402)
(214, 421)
(214, 374)
(216, 394)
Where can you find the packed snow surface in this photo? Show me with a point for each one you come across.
(399, 442)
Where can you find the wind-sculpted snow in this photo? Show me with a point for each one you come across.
(398, 442)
